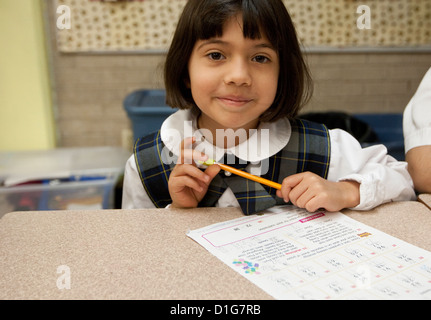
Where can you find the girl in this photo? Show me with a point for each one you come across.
(236, 71)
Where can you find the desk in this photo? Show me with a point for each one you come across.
(425, 199)
(145, 254)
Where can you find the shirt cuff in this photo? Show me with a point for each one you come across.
(369, 194)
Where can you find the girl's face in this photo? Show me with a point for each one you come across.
(233, 80)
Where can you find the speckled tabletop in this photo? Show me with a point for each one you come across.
(425, 199)
(145, 254)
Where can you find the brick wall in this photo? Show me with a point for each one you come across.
(366, 82)
(89, 95)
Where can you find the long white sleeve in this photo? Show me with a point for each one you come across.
(382, 178)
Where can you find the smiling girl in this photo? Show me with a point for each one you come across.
(236, 66)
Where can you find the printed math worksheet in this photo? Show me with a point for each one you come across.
(293, 254)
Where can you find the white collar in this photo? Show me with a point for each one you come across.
(265, 142)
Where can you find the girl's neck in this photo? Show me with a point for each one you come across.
(225, 137)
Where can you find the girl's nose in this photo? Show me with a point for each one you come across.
(238, 73)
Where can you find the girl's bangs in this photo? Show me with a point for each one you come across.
(211, 23)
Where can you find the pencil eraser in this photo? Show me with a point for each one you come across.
(209, 162)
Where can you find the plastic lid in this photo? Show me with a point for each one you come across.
(23, 166)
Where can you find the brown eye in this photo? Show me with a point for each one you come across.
(215, 56)
(260, 59)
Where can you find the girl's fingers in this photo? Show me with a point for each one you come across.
(289, 183)
(212, 171)
(293, 187)
(302, 201)
(193, 172)
(188, 154)
(188, 182)
(313, 205)
(186, 144)
(284, 193)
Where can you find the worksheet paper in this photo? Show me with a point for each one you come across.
(293, 254)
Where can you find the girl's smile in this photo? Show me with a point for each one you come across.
(233, 79)
(234, 101)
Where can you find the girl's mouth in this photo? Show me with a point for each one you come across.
(234, 101)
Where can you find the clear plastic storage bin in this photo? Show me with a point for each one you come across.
(60, 179)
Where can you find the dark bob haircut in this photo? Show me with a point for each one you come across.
(204, 19)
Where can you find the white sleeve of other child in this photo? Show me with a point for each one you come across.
(417, 116)
(382, 178)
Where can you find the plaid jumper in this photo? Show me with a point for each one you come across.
(308, 149)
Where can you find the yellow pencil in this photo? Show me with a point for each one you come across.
(244, 174)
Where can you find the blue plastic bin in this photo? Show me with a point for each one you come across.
(147, 110)
(389, 130)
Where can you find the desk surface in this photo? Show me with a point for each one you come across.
(425, 199)
(145, 254)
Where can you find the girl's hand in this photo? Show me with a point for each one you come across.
(312, 192)
(187, 183)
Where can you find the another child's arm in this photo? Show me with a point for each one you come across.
(187, 183)
(308, 190)
(419, 160)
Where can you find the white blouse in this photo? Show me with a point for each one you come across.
(382, 178)
(417, 116)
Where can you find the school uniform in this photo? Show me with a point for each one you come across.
(296, 145)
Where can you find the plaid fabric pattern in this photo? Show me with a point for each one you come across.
(252, 197)
(153, 170)
(308, 149)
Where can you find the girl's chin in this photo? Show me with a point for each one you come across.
(227, 120)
